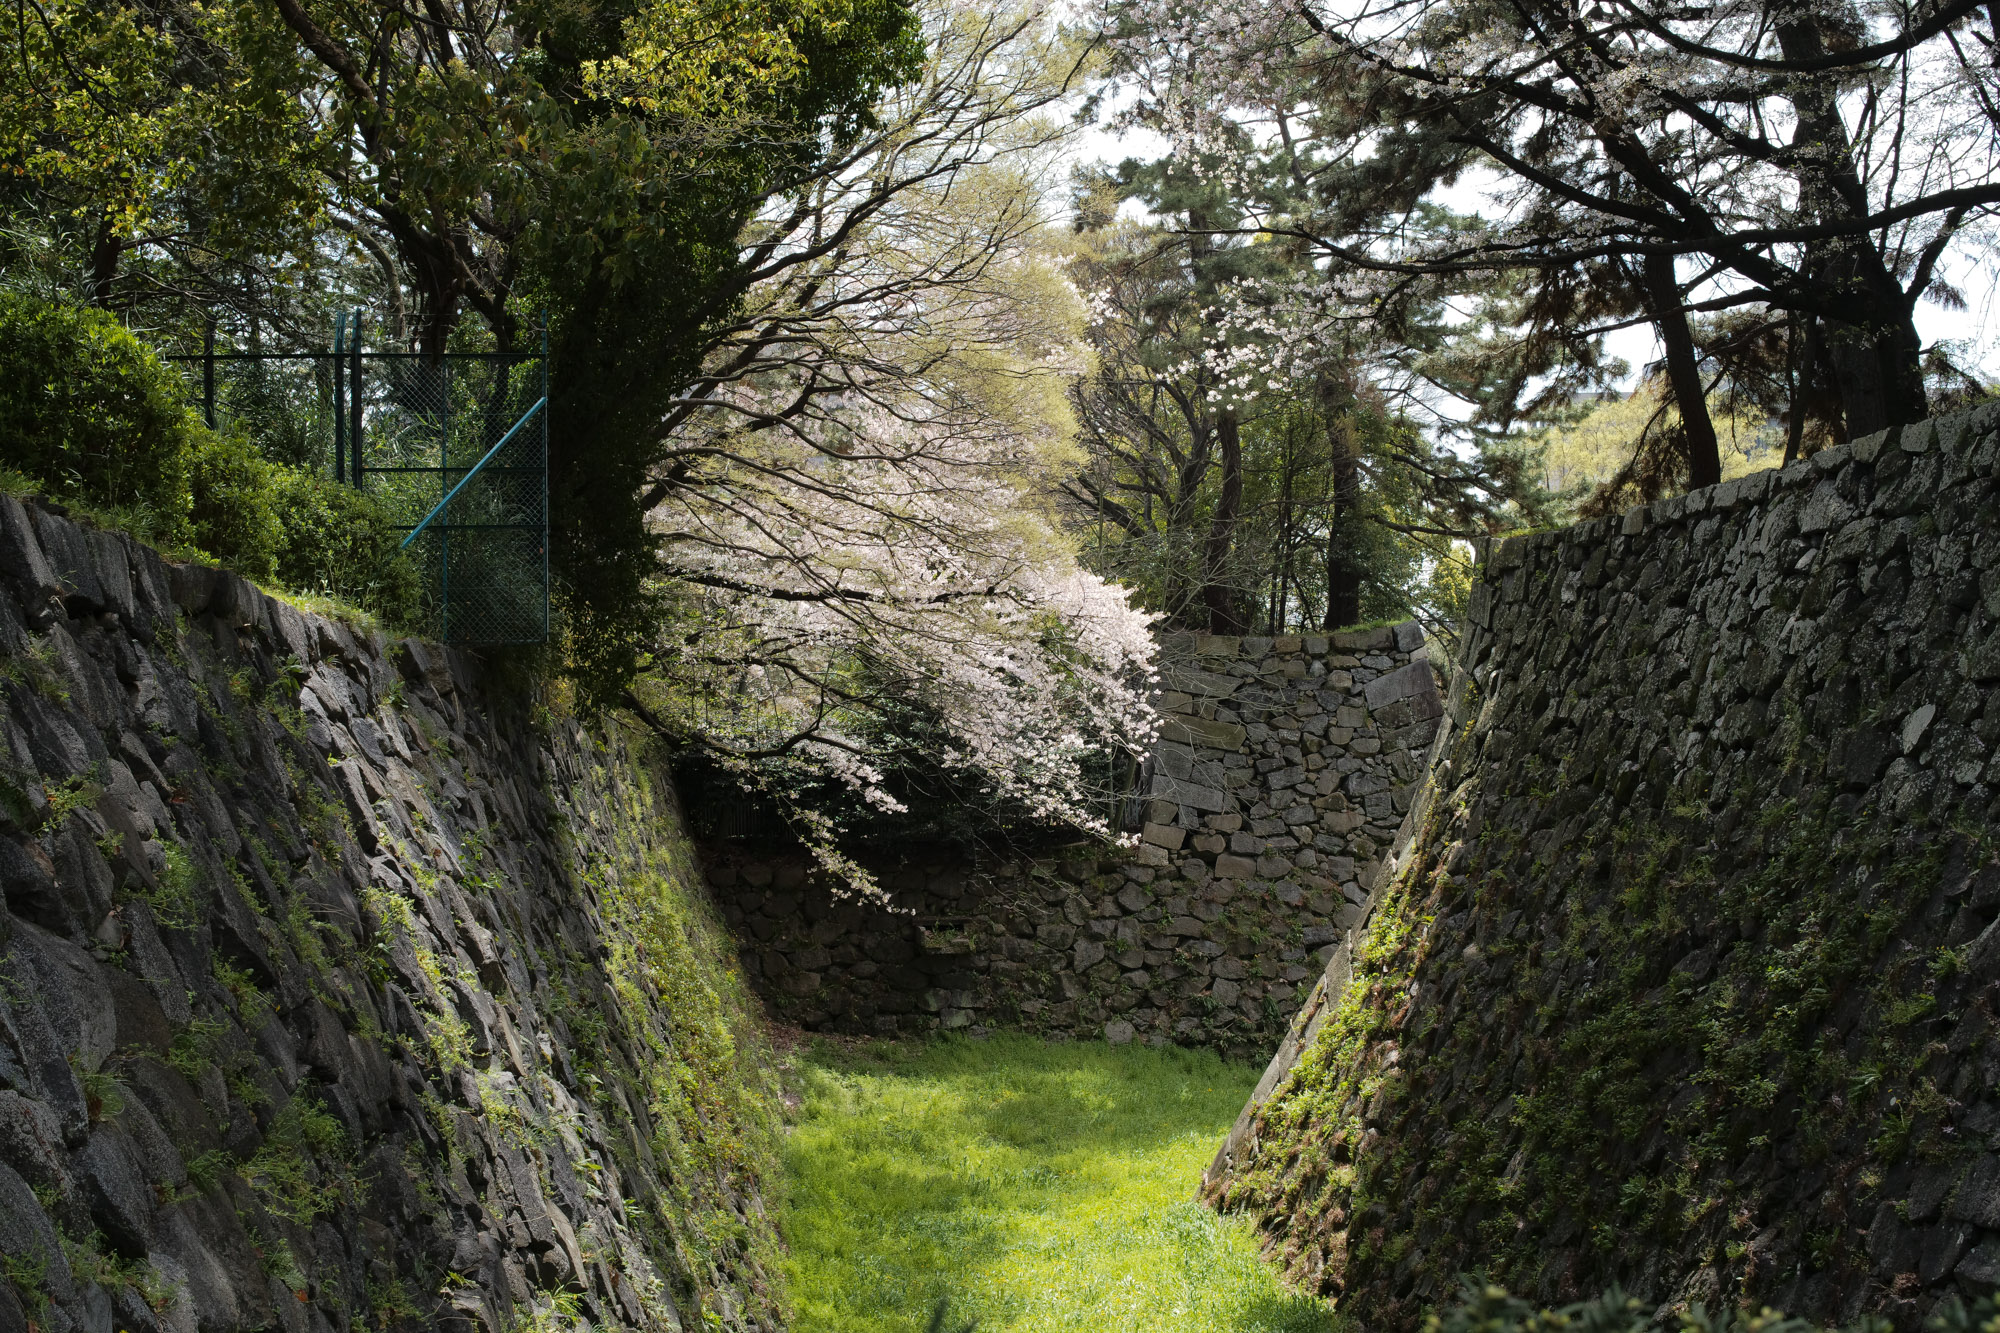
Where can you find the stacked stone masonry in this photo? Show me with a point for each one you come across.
(1282, 773)
(1684, 970)
(318, 1002)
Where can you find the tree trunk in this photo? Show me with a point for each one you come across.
(1802, 365)
(1343, 571)
(1223, 617)
(104, 256)
(1663, 295)
(1876, 357)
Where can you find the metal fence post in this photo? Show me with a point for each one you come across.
(545, 474)
(208, 375)
(354, 411)
(339, 397)
(487, 528)
(446, 490)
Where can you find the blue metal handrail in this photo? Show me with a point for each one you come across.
(526, 417)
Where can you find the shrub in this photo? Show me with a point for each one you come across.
(235, 514)
(337, 540)
(92, 416)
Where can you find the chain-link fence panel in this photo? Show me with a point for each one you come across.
(283, 403)
(458, 447)
(455, 446)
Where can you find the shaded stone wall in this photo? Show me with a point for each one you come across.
(1282, 773)
(338, 991)
(1684, 973)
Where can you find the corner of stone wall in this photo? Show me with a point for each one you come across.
(1806, 498)
(1277, 785)
(1708, 740)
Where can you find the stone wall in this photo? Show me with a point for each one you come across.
(1283, 771)
(1684, 973)
(339, 989)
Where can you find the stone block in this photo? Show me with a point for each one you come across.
(120, 1197)
(1235, 867)
(1164, 835)
(1415, 682)
(1378, 640)
(1204, 732)
(21, 555)
(1197, 683)
(72, 561)
(1979, 1271)
(1174, 789)
(1825, 508)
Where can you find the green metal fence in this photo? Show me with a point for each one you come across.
(456, 446)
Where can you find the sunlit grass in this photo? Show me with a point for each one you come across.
(1038, 1186)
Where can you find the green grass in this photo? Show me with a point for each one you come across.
(1039, 1186)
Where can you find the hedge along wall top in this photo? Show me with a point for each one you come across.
(1285, 767)
(1683, 973)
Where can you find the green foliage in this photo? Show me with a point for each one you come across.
(196, 1047)
(175, 903)
(103, 1095)
(234, 515)
(29, 1275)
(1488, 1309)
(206, 1170)
(121, 122)
(300, 530)
(67, 797)
(553, 1312)
(1339, 509)
(90, 1263)
(1036, 1185)
(38, 668)
(303, 1168)
(336, 541)
(90, 414)
(274, 1253)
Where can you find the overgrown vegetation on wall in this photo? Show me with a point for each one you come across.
(1686, 980)
(345, 987)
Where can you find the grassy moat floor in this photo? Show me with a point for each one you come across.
(1038, 1185)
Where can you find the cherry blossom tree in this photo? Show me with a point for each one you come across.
(851, 498)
